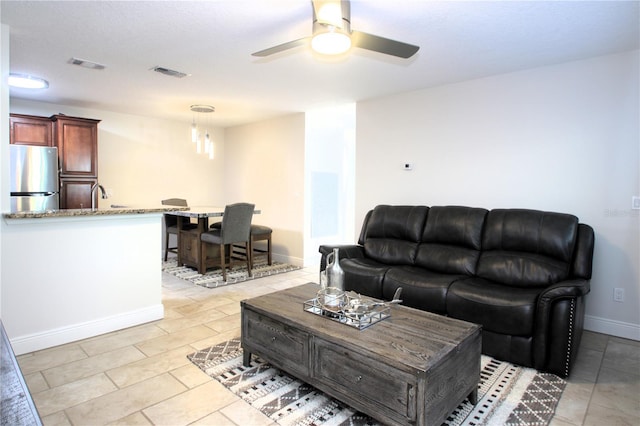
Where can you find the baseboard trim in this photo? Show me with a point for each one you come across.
(62, 335)
(614, 328)
(296, 261)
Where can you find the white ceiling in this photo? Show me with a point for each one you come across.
(213, 41)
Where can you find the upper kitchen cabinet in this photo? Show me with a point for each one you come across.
(30, 130)
(77, 142)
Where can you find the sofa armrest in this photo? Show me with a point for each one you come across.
(549, 325)
(564, 289)
(346, 251)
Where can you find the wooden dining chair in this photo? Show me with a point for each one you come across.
(235, 228)
(258, 233)
(171, 224)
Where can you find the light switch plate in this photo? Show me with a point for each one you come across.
(635, 202)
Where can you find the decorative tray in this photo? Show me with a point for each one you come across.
(344, 315)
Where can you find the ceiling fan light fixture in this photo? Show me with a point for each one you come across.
(25, 81)
(329, 12)
(332, 42)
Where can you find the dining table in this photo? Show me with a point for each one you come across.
(189, 246)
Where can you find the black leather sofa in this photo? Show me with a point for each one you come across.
(521, 274)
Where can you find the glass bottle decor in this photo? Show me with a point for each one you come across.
(335, 273)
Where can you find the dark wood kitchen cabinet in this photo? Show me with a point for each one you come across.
(76, 193)
(77, 142)
(30, 130)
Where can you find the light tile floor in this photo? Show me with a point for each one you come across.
(141, 376)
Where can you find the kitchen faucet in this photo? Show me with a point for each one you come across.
(103, 194)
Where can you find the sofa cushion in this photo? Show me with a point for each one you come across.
(527, 247)
(393, 233)
(364, 276)
(499, 308)
(421, 288)
(452, 239)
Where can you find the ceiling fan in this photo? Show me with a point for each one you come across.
(332, 34)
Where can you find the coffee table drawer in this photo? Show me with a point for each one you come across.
(283, 346)
(366, 379)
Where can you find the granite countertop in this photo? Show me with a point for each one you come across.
(117, 210)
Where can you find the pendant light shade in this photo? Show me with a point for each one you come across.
(194, 131)
(200, 131)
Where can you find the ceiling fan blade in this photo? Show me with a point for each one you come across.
(383, 45)
(282, 47)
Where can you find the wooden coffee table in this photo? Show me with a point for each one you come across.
(414, 367)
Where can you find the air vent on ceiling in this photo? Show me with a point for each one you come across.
(86, 64)
(169, 72)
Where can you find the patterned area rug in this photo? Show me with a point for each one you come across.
(237, 274)
(16, 405)
(507, 394)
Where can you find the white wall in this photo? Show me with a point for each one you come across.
(560, 138)
(264, 164)
(4, 129)
(143, 160)
(69, 278)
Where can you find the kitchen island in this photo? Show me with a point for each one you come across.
(72, 274)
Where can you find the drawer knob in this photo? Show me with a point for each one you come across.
(273, 339)
(358, 378)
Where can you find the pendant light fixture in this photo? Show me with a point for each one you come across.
(198, 136)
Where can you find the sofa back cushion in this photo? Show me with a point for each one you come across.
(452, 239)
(393, 233)
(526, 248)
(363, 231)
(583, 253)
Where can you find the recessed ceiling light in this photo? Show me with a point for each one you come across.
(25, 81)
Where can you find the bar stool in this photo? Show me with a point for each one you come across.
(258, 233)
(171, 224)
(234, 229)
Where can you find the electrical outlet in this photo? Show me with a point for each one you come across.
(635, 203)
(618, 294)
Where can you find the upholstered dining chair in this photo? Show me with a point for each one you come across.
(258, 233)
(171, 224)
(235, 228)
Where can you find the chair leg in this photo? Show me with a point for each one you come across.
(202, 267)
(222, 262)
(249, 250)
(269, 250)
(166, 245)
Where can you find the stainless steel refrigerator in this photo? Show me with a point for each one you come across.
(34, 178)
